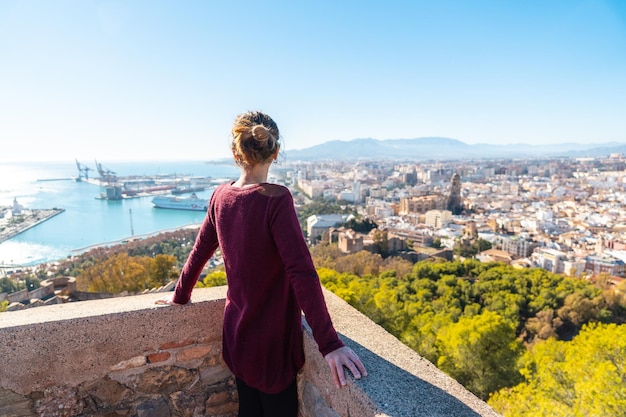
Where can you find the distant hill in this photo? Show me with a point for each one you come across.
(444, 148)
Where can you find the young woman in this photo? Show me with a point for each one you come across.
(271, 279)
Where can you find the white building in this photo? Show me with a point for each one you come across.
(550, 259)
(317, 224)
(17, 208)
(437, 218)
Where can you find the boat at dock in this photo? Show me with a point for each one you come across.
(193, 202)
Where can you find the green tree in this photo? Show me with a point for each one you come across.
(8, 286)
(381, 242)
(583, 377)
(421, 333)
(480, 352)
(32, 283)
(214, 279)
(161, 269)
(468, 248)
(361, 225)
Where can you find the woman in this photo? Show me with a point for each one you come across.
(271, 279)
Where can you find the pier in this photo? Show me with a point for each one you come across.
(27, 219)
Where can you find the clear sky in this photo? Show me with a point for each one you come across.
(154, 79)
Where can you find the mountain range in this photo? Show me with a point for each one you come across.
(439, 148)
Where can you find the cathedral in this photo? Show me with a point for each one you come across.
(455, 204)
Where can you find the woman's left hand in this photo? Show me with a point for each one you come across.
(169, 300)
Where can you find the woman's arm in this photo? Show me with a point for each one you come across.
(304, 280)
(204, 247)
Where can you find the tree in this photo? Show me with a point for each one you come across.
(360, 263)
(8, 286)
(121, 273)
(214, 279)
(381, 242)
(468, 248)
(31, 283)
(361, 225)
(481, 353)
(162, 270)
(583, 377)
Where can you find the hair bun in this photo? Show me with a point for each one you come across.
(255, 139)
(260, 133)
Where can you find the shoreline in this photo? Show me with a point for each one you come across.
(129, 239)
(33, 217)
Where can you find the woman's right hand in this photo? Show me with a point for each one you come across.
(344, 356)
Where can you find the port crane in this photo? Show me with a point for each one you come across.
(106, 175)
(83, 171)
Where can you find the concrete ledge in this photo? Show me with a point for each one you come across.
(68, 344)
(400, 382)
(71, 344)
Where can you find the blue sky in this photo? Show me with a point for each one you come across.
(134, 80)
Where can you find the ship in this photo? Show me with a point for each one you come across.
(181, 203)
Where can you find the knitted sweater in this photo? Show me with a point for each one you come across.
(271, 281)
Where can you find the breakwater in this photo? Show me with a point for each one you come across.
(20, 223)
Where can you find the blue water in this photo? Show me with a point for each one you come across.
(88, 220)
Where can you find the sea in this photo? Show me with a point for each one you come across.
(89, 220)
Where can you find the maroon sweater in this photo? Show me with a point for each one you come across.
(271, 280)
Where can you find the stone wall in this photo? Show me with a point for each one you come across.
(128, 357)
(45, 291)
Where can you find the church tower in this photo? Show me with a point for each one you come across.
(455, 205)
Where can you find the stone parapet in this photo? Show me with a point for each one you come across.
(127, 357)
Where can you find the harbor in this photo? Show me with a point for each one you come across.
(86, 219)
(117, 187)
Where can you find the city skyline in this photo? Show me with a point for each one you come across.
(121, 80)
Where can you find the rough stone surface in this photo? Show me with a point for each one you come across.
(154, 407)
(313, 404)
(213, 374)
(194, 352)
(163, 380)
(59, 402)
(15, 405)
(185, 405)
(107, 393)
(174, 345)
(135, 362)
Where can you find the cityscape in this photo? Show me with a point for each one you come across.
(566, 215)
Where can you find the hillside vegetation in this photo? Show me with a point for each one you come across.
(530, 342)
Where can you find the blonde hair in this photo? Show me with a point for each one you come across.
(255, 138)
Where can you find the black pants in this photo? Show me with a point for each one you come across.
(254, 403)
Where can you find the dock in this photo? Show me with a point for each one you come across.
(27, 219)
